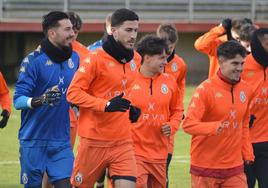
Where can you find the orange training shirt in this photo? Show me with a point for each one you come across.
(256, 76)
(5, 100)
(208, 44)
(82, 52)
(216, 102)
(177, 68)
(99, 78)
(159, 101)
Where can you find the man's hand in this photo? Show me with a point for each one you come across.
(50, 97)
(5, 116)
(134, 113)
(166, 129)
(117, 104)
(227, 24)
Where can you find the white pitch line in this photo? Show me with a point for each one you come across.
(9, 162)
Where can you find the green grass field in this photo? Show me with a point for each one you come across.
(9, 158)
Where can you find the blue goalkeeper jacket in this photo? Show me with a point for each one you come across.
(37, 74)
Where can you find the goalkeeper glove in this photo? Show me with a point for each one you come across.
(5, 116)
(50, 97)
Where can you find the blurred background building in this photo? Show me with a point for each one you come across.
(20, 24)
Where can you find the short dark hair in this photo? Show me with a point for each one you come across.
(261, 33)
(167, 31)
(229, 49)
(246, 31)
(76, 20)
(121, 15)
(238, 22)
(52, 19)
(151, 45)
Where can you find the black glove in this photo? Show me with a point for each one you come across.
(51, 97)
(5, 116)
(134, 114)
(117, 104)
(251, 120)
(227, 24)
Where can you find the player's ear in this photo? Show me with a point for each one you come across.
(221, 59)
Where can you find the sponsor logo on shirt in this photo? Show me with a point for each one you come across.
(196, 95)
(136, 87)
(164, 89)
(111, 64)
(24, 178)
(49, 63)
(218, 94)
(82, 69)
(264, 90)
(87, 60)
(22, 69)
(243, 97)
(26, 60)
(70, 64)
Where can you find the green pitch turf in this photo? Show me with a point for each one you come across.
(9, 158)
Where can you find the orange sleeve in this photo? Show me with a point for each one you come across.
(247, 149)
(181, 82)
(78, 91)
(198, 107)
(176, 110)
(5, 100)
(209, 42)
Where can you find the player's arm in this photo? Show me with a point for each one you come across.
(78, 90)
(5, 100)
(247, 149)
(181, 82)
(23, 97)
(209, 42)
(198, 107)
(176, 111)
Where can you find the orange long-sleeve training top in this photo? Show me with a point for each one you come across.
(5, 100)
(160, 103)
(82, 52)
(177, 68)
(99, 78)
(208, 44)
(216, 102)
(256, 76)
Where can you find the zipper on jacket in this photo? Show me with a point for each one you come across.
(124, 69)
(232, 93)
(151, 86)
(264, 72)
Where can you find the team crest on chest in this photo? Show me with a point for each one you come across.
(243, 97)
(70, 64)
(164, 89)
(79, 178)
(174, 67)
(132, 65)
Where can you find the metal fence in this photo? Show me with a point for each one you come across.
(151, 10)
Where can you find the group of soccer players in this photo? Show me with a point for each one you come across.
(127, 104)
